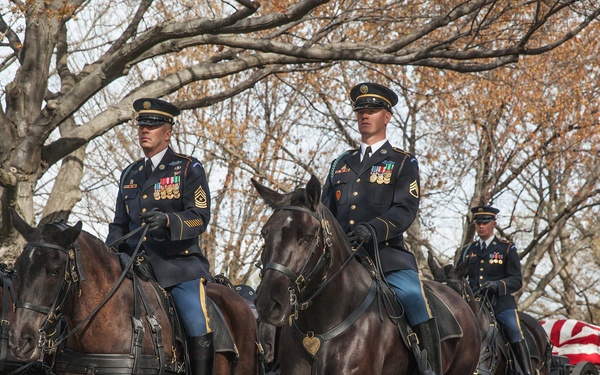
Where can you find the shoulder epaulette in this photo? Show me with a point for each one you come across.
(401, 151)
(333, 165)
(183, 156)
(126, 172)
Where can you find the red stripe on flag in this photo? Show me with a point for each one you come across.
(576, 340)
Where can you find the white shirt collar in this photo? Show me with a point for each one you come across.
(488, 242)
(374, 147)
(157, 158)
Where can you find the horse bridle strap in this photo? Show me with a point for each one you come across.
(301, 281)
(7, 293)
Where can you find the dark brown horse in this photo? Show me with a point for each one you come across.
(8, 364)
(116, 324)
(495, 350)
(330, 306)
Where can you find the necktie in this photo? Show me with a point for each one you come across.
(483, 246)
(148, 168)
(366, 155)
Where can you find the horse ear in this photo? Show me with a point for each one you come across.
(433, 264)
(270, 196)
(71, 234)
(461, 269)
(27, 231)
(313, 193)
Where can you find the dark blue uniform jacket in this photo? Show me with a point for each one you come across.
(177, 187)
(500, 262)
(385, 193)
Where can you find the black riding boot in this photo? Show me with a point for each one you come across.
(522, 353)
(202, 354)
(429, 337)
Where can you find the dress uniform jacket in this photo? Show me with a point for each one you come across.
(177, 187)
(383, 192)
(499, 262)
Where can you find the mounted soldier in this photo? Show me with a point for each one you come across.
(494, 265)
(373, 192)
(169, 193)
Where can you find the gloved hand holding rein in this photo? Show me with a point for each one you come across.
(155, 220)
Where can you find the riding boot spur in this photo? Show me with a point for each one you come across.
(202, 354)
(522, 353)
(429, 337)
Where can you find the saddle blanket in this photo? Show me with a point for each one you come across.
(574, 339)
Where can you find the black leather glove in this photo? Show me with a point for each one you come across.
(156, 220)
(491, 286)
(362, 233)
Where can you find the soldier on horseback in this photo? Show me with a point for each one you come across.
(169, 193)
(494, 265)
(373, 192)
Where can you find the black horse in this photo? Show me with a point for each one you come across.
(118, 323)
(331, 306)
(495, 352)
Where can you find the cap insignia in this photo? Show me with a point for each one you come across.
(147, 105)
(364, 89)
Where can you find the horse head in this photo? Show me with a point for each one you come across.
(297, 251)
(454, 277)
(43, 271)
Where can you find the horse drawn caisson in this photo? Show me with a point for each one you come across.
(560, 365)
(576, 346)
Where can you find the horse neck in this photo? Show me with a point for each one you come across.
(101, 270)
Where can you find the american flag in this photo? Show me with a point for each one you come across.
(574, 339)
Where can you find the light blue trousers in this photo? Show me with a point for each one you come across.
(511, 325)
(409, 290)
(189, 301)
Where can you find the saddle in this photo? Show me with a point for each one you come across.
(448, 325)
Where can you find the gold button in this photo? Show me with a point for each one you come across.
(353, 207)
(187, 251)
(127, 196)
(358, 180)
(144, 238)
(144, 196)
(387, 244)
(351, 222)
(481, 261)
(144, 209)
(481, 269)
(481, 277)
(338, 181)
(143, 223)
(355, 193)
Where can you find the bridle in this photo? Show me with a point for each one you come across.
(299, 282)
(73, 274)
(323, 243)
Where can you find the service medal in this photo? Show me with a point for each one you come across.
(373, 177)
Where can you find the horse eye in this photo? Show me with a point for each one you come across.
(54, 272)
(306, 239)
